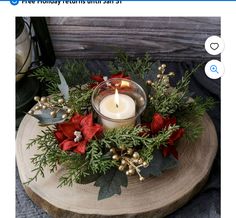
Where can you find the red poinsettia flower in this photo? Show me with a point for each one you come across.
(157, 124)
(76, 133)
(99, 78)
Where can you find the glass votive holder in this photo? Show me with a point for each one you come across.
(118, 102)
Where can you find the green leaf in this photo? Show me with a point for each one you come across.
(45, 117)
(158, 164)
(110, 183)
(63, 87)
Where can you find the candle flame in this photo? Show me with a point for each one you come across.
(116, 98)
(124, 84)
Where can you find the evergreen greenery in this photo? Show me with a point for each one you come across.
(163, 99)
(97, 159)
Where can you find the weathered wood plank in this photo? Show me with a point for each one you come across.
(165, 38)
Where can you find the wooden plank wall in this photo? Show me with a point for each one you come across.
(165, 38)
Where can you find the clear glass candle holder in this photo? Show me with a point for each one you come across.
(124, 110)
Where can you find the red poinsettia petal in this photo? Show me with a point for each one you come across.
(87, 120)
(76, 120)
(59, 136)
(165, 151)
(169, 121)
(67, 129)
(119, 75)
(97, 78)
(90, 131)
(67, 145)
(174, 152)
(80, 147)
(176, 135)
(157, 123)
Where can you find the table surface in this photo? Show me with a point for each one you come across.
(207, 202)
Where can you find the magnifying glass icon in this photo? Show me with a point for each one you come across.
(213, 69)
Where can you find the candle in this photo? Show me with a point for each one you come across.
(119, 107)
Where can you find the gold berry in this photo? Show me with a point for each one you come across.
(127, 173)
(37, 107)
(36, 98)
(61, 101)
(135, 160)
(171, 74)
(64, 116)
(43, 99)
(149, 82)
(121, 168)
(123, 162)
(44, 107)
(31, 112)
(145, 164)
(140, 161)
(131, 171)
(115, 157)
(163, 66)
(135, 155)
(141, 178)
(53, 114)
(113, 150)
(68, 110)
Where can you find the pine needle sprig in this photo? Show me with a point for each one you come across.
(49, 76)
(190, 116)
(80, 99)
(98, 161)
(136, 138)
(167, 100)
(47, 147)
(75, 171)
(138, 66)
(155, 142)
(74, 71)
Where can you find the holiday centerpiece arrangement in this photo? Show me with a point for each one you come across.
(106, 128)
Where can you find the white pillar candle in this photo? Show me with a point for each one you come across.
(118, 107)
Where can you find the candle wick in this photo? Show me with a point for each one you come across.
(117, 105)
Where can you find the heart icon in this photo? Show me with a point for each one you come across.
(214, 45)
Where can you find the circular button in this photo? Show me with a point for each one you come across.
(214, 45)
(214, 69)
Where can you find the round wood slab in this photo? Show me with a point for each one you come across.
(154, 196)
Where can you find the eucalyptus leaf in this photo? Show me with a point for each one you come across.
(110, 183)
(158, 164)
(63, 87)
(45, 117)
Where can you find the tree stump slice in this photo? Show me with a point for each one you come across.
(155, 196)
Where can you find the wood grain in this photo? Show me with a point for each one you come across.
(164, 38)
(155, 197)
